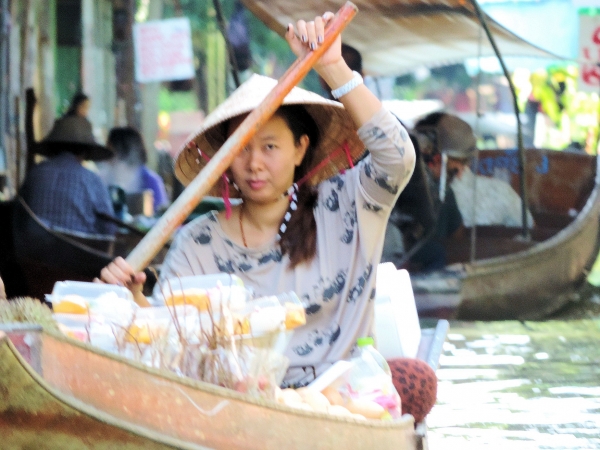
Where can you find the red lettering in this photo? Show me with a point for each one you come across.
(596, 36)
(590, 74)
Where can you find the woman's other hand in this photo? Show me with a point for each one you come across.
(307, 36)
(119, 272)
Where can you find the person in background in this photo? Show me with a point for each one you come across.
(128, 168)
(80, 105)
(496, 202)
(424, 219)
(64, 195)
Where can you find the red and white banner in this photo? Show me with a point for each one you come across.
(163, 50)
(589, 53)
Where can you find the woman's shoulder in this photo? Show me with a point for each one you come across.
(208, 219)
(198, 230)
(343, 180)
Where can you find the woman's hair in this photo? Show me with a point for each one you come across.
(77, 100)
(128, 145)
(300, 238)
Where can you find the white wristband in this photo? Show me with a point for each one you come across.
(357, 80)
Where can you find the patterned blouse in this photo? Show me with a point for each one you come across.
(338, 286)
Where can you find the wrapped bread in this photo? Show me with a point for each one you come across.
(266, 319)
(333, 395)
(71, 304)
(315, 399)
(295, 315)
(366, 408)
(144, 333)
(191, 296)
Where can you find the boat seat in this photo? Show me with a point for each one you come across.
(46, 256)
(488, 246)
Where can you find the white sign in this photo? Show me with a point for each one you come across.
(163, 50)
(589, 53)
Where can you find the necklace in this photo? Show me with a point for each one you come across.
(242, 227)
(291, 195)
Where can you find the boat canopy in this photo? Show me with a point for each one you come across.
(397, 36)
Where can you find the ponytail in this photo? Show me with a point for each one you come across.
(299, 240)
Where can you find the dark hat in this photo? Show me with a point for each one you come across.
(453, 135)
(73, 134)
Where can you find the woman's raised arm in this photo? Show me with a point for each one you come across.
(360, 102)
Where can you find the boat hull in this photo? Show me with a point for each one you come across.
(92, 399)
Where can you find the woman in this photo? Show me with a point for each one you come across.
(80, 106)
(322, 240)
(128, 168)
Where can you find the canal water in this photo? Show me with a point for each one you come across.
(518, 386)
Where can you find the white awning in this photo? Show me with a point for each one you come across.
(396, 36)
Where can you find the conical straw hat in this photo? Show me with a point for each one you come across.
(335, 128)
(74, 134)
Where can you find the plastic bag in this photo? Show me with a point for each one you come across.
(368, 389)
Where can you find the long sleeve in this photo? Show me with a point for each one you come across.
(382, 176)
(390, 164)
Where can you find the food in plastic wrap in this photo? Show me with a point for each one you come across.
(71, 304)
(192, 296)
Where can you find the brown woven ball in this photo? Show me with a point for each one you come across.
(416, 383)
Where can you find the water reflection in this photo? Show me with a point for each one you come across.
(512, 385)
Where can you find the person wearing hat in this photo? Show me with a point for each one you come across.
(496, 202)
(64, 195)
(302, 225)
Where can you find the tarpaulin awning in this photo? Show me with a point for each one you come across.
(397, 36)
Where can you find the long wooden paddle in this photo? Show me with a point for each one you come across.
(151, 244)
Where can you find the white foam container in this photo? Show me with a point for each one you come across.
(89, 291)
(397, 329)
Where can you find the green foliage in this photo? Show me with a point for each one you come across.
(170, 101)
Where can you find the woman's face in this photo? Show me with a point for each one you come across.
(83, 108)
(264, 170)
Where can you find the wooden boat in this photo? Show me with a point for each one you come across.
(515, 279)
(47, 256)
(60, 393)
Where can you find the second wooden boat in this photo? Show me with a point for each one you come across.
(510, 278)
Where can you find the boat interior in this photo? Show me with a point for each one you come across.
(558, 186)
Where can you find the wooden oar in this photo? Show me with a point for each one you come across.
(151, 244)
